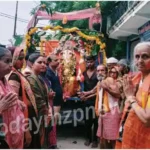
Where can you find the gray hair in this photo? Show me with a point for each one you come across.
(106, 69)
(145, 43)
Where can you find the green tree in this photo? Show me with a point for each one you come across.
(119, 50)
(114, 47)
(69, 6)
(18, 40)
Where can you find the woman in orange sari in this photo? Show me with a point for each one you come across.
(22, 88)
(135, 126)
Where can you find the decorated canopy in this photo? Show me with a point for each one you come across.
(93, 14)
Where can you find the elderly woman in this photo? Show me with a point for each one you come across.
(123, 67)
(10, 109)
(41, 95)
(135, 126)
(22, 88)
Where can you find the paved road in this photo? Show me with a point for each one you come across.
(71, 137)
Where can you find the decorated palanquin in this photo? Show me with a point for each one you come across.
(71, 48)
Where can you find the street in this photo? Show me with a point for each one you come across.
(70, 137)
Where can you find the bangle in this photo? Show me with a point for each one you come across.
(132, 102)
(131, 97)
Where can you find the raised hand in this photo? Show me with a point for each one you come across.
(128, 87)
(7, 101)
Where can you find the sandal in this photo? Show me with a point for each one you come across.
(94, 145)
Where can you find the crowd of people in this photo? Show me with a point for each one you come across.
(31, 99)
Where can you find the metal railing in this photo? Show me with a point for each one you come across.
(120, 9)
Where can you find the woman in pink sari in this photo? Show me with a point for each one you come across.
(22, 88)
(10, 107)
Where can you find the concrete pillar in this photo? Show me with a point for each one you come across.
(128, 50)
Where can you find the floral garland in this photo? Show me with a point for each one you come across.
(28, 38)
(41, 44)
(67, 30)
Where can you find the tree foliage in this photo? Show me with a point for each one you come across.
(69, 6)
(43, 5)
(63, 6)
(120, 50)
(114, 47)
(18, 40)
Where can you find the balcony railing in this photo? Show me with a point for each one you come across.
(120, 9)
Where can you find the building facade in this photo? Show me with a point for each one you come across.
(130, 22)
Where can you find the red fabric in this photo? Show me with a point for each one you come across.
(80, 65)
(50, 46)
(52, 137)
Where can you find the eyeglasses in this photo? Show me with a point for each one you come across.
(113, 72)
(54, 59)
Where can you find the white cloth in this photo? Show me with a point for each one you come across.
(100, 96)
(113, 102)
(112, 60)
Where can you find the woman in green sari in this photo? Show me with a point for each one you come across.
(40, 91)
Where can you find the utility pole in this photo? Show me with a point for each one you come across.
(15, 23)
